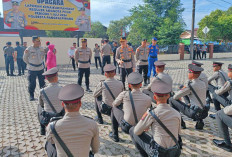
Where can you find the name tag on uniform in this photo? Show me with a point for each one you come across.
(121, 50)
(81, 53)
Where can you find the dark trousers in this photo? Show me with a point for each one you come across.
(20, 64)
(116, 118)
(116, 65)
(204, 54)
(50, 149)
(9, 63)
(81, 72)
(143, 69)
(198, 54)
(123, 74)
(194, 55)
(32, 80)
(105, 59)
(99, 60)
(224, 121)
(73, 64)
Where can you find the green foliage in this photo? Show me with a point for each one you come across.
(219, 23)
(64, 34)
(98, 30)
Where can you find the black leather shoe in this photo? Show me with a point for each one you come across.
(100, 120)
(42, 131)
(88, 90)
(32, 98)
(12, 75)
(114, 137)
(212, 116)
(199, 125)
(183, 125)
(221, 144)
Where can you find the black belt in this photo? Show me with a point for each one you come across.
(153, 56)
(84, 62)
(129, 60)
(143, 60)
(36, 65)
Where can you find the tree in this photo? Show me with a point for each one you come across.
(65, 34)
(219, 23)
(98, 30)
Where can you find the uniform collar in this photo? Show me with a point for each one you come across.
(53, 84)
(163, 105)
(110, 78)
(135, 90)
(72, 114)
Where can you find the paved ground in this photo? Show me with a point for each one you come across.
(19, 129)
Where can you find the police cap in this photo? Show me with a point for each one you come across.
(109, 67)
(217, 63)
(160, 87)
(195, 69)
(83, 40)
(135, 78)
(197, 63)
(35, 38)
(154, 38)
(51, 72)
(159, 64)
(230, 67)
(122, 39)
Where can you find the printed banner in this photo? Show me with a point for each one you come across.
(65, 15)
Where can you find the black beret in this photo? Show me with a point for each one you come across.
(135, 78)
(71, 92)
(195, 69)
(197, 63)
(159, 63)
(51, 72)
(160, 87)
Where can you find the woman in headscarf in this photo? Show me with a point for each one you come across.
(51, 57)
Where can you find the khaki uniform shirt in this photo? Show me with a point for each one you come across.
(200, 89)
(34, 56)
(83, 55)
(85, 26)
(17, 20)
(78, 133)
(228, 110)
(203, 77)
(142, 55)
(162, 76)
(9, 51)
(115, 86)
(96, 52)
(52, 91)
(106, 50)
(142, 103)
(169, 117)
(226, 88)
(217, 76)
(125, 54)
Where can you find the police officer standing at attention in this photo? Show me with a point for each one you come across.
(220, 77)
(135, 104)
(97, 57)
(109, 90)
(77, 133)
(48, 97)
(83, 57)
(20, 62)
(196, 91)
(125, 59)
(34, 56)
(161, 143)
(142, 53)
(9, 51)
(153, 57)
(105, 53)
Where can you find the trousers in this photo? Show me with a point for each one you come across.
(151, 66)
(105, 59)
(99, 60)
(143, 69)
(123, 74)
(9, 64)
(21, 67)
(81, 73)
(32, 75)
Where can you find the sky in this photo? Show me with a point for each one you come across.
(108, 10)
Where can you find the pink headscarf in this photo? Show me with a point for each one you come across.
(51, 57)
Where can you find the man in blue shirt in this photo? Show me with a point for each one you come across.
(153, 54)
(20, 62)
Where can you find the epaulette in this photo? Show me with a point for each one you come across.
(89, 117)
(55, 119)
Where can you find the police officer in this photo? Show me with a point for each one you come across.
(125, 59)
(24, 46)
(9, 51)
(115, 46)
(97, 57)
(220, 77)
(83, 57)
(78, 133)
(105, 53)
(83, 21)
(19, 54)
(135, 104)
(46, 50)
(142, 60)
(34, 56)
(218, 93)
(48, 97)
(196, 105)
(160, 75)
(16, 18)
(155, 144)
(71, 53)
(115, 87)
(153, 56)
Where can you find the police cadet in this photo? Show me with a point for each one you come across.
(48, 98)
(142, 60)
(160, 143)
(109, 90)
(83, 21)
(34, 56)
(15, 17)
(220, 77)
(125, 59)
(153, 56)
(196, 91)
(20, 62)
(160, 67)
(227, 88)
(105, 53)
(135, 104)
(78, 133)
(83, 57)
(9, 51)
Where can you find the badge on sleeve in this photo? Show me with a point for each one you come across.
(144, 116)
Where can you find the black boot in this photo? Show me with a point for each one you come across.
(183, 125)
(148, 80)
(32, 97)
(114, 137)
(42, 130)
(222, 144)
(199, 125)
